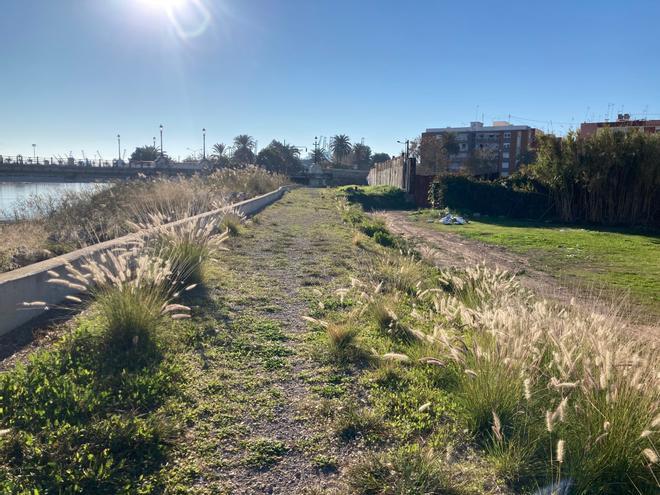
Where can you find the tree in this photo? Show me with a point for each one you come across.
(380, 157)
(361, 155)
(340, 145)
(146, 153)
(219, 149)
(435, 151)
(244, 150)
(280, 157)
(481, 161)
(318, 156)
(434, 159)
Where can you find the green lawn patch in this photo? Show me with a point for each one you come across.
(619, 260)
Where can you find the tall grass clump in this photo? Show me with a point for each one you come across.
(133, 297)
(610, 177)
(565, 392)
(403, 471)
(187, 245)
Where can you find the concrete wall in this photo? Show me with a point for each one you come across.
(389, 173)
(30, 283)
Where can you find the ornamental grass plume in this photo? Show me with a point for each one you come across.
(132, 294)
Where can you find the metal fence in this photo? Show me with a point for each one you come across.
(20, 160)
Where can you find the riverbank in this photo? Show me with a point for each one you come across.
(77, 219)
(319, 359)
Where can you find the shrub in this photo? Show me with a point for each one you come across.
(495, 198)
(376, 197)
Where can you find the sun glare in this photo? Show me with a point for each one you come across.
(189, 18)
(165, 4)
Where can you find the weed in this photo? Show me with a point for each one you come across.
(263, 452)
(353, 422)
(402, 471)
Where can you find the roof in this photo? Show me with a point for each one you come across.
(492, 128)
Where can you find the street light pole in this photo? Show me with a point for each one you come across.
(316, 149)
(154, 141)
(204, 143)
(118, 148)
(34, 152)
(161, 139)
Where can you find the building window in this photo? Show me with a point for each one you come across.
(506, 146)
(507, 135)
(505, 165)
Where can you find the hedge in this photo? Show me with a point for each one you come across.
(496, 198)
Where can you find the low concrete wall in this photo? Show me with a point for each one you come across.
(30, 283)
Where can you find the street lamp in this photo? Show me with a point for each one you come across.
(118, 148)
(34, 152)
(204, 143)
(154, 142)
(161, 139)
(316, 149)
(407, 143)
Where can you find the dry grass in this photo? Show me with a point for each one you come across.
(554, 394)
(79, 219)
(551, 382)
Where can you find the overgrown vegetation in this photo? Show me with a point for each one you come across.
(376, 197)
(49, 226)
(610, 178)
(553, 396)
(607, 262)
(88, 416)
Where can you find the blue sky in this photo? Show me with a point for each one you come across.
(73, 73)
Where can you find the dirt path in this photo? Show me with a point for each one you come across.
(256, 431)
(448, 250)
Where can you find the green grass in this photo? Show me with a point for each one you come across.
(376, 197)
(617, 260)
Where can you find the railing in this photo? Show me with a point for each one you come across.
(19, 160)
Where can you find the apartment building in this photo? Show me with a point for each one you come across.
(502, 144)
(623, 123)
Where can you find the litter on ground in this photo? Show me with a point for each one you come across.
(450, 219)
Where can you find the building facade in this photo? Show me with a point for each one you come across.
(623, 123)
(499, 149)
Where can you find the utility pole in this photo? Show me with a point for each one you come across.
(161, 139)
(204, 143)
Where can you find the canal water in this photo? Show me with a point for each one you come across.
(13, 193)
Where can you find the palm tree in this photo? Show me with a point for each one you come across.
(219, 149)
(244, 149)
(340, 146)
(361, 155)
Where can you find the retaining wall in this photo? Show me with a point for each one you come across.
(30, 283)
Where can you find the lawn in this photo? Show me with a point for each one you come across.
(617, 260)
